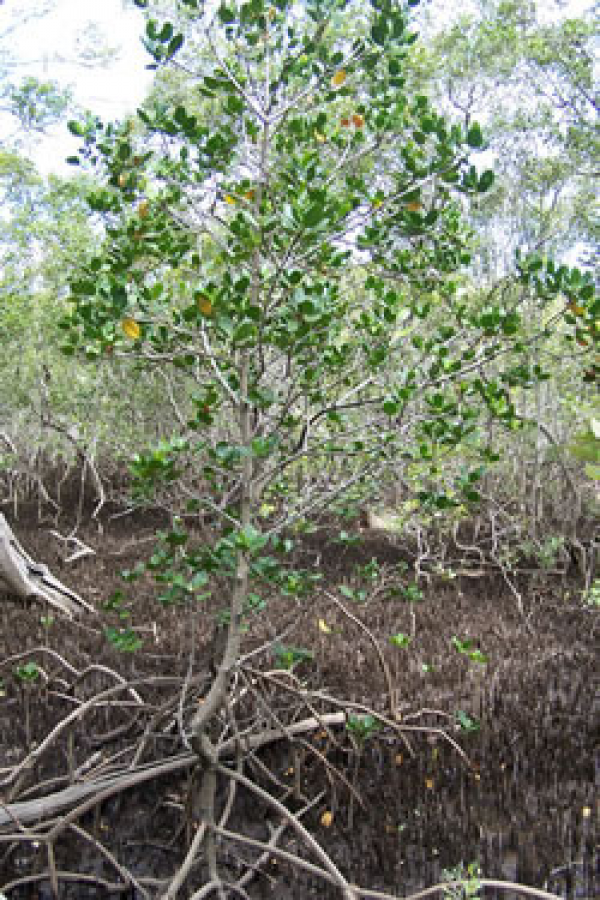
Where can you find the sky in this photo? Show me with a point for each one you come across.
(46, 46)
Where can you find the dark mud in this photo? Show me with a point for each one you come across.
(522, 802)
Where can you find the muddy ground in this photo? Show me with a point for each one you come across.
(521, 802)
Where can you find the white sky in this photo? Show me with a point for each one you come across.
(46, 46)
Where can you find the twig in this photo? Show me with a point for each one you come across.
(73, 877)
(378, 650)
(328, 864)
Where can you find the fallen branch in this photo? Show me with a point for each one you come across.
(77, 547)
(25, 578)
(100, 789)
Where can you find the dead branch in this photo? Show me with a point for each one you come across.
(99, 789)
(25, 578)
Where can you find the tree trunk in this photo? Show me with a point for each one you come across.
(25, 578)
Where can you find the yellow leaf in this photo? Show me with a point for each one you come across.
(429, 784)
(377, 203)
(249, 195)
(205, 305)
(576, 310)
(324, 627)
(122, 180)
(339, 78)
(399, 759)
(415, 206)
(358, 120)
(345, 122)
(131, 328)
(327, 819)
(143, 209)
(229, 199)
(586, 812)
(320, 137)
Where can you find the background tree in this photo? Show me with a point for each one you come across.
(528, 75)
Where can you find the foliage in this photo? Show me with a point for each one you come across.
(466, 722)
(361, 728)
(297, 262)
(592, 596)
(288, 657)
(123, 639)
(37, 104)
(469, 876)
(28, 673)
(533, 83)
(467, 648)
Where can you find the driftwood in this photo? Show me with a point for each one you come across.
(97, 790)
(28, 579)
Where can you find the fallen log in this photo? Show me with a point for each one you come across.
(27, 579)
(90, 793)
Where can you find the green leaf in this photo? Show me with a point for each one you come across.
(166, 33)
(486, 181)
(379, 32)
(250, 538)
(244, 333)
(467, 722)
(314, 215)
(226, 15)
(175, 45)
(475, 136)
(400, 639)
(287, 657)
(123, 639)
(362, 727)
(467, 648)
(29, 672)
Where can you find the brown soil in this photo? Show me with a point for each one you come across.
(521, 803)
